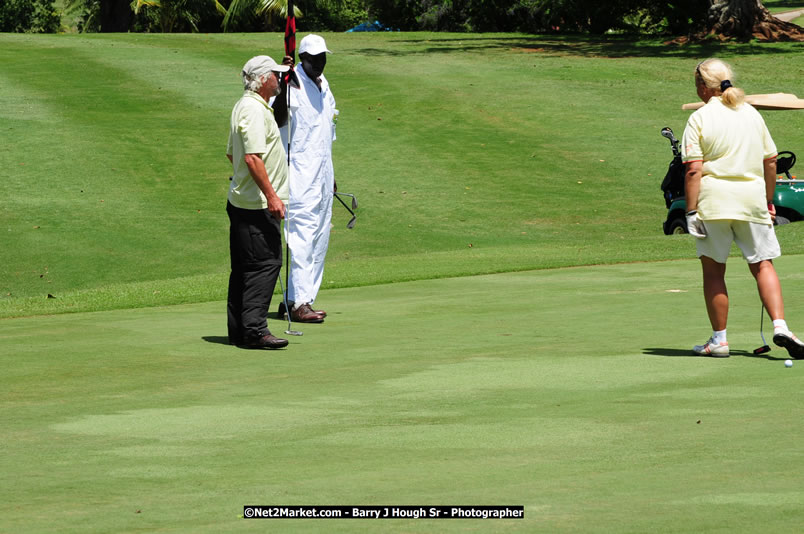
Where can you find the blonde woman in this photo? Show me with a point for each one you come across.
(730, 161)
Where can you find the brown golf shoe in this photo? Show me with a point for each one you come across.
(267, 341)
(280, 313)
(305, 314)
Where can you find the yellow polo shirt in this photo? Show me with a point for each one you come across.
(253, 130)
(733, 145)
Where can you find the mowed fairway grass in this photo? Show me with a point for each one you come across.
(505, 326)
(469, 154)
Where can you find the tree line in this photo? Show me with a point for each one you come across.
(743, 19)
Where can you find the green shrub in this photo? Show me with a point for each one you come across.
(29, 16)
(334, 16)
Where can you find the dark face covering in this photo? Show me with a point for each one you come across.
(314, 65)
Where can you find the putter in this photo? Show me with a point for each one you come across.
(287, 210)
(351, 223)
(765, 347)
(290, 330)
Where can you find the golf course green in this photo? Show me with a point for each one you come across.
(507, 324)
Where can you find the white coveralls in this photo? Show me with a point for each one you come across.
(312, 180)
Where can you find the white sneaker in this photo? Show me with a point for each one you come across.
(711, 349)
(788, 340)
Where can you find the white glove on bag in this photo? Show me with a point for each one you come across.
(695, 226)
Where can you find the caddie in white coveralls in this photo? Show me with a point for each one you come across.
(311, 176)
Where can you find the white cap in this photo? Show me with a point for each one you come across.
(260, 66)
(313, 45)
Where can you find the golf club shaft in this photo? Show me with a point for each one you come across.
(762, 324)
(285, 300)
(344, 205)
(290, 330)
(350, 195)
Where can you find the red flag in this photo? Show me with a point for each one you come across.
(290, 32)
(290, 43)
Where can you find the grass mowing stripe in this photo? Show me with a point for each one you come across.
(489, 140)
(565, 390)
(354, 270)
(122, 173)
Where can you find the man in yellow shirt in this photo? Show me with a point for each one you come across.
(256, 206)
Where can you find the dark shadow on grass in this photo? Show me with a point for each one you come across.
(768, 357)
(575, 45)
(679, 353)
(219, 340)
(224, 340)
(687, 353)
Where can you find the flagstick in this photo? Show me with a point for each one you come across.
(290, 50)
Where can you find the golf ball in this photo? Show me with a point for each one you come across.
(788, 363)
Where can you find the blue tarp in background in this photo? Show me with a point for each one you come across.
(375, 26)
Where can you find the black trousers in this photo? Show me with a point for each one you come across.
(255, 247)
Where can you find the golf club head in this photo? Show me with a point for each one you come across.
(762, 350)
(294, 333)
(350, 195)
(354, 200)
(351, 223)
(668, 133)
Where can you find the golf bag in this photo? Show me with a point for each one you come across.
(673, 183)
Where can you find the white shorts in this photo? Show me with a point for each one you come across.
(757, 241)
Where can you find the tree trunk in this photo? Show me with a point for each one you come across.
(115, 15)
(746, 19)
